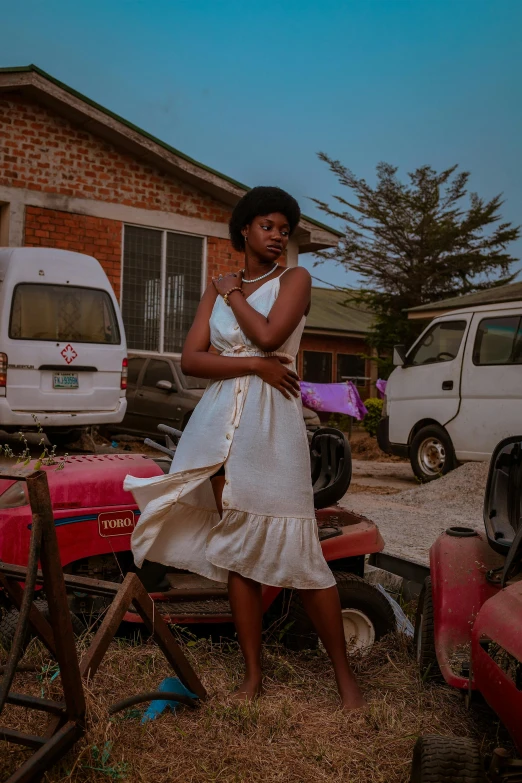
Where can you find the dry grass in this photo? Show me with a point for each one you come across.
(295, 733)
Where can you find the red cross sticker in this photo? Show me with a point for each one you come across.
(69, 354)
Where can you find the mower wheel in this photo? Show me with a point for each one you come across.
(446, 760)
(367, 616)
(424, 637)
(9, 622)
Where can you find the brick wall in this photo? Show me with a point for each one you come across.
(42, 151)
(96, 237)
(222, 258)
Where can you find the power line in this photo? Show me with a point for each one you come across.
(344, 291)
(337, 287)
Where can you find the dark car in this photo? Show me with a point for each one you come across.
(158, 392)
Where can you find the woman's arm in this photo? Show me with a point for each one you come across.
(271, 331)
(196, 359)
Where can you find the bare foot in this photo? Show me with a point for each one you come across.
(249, 690)
(352, 697)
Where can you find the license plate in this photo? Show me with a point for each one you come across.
(65, 380)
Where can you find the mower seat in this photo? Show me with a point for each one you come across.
(331, 463)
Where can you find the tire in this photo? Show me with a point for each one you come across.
(431, 453)
(367, 615)
(9, 622)
(446, 760)
(64, 439)
(424, 636)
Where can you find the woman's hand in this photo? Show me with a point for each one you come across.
(224, 284)
(272, 370)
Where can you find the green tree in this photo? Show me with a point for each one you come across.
(416, 242)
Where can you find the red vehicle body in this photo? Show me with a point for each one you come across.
(469, 620)
(95, 518)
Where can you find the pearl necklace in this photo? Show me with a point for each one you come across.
(257, 279)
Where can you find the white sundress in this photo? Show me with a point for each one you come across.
(268, 531)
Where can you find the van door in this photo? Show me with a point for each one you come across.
(428, 386)
(491, 391)
(155, 406)
(65, 350)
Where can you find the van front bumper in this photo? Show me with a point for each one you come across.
(66, 420)
(383, 439)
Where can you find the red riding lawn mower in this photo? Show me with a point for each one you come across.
(469, 627)
(94, 520)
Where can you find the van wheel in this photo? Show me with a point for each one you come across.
(431, 453)
(64, 439)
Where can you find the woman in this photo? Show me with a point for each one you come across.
(238, 503)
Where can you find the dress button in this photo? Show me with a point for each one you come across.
(225, 502)
(236, 327)
(229, 436)
(227, 481)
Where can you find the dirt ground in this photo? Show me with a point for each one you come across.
(411, 515)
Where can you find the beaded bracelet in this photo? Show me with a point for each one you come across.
(225, 296)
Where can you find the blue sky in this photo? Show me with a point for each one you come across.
(256, 89)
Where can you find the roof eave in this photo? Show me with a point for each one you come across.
(94, 118)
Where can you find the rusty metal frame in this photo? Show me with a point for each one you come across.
(67, 723)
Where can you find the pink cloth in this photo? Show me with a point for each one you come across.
(381, 387)
(333, 398)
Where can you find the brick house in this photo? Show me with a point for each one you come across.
(334, 343)
(73, 175)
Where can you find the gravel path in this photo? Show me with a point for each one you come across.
(411, 520)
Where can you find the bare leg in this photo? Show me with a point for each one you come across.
(324, 609)
(245, 600)
(218, 482)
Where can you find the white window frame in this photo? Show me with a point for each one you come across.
(204, 266)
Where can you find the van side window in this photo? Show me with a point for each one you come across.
(498, 341)
(440, 344)
(135, 365)
(157, 370)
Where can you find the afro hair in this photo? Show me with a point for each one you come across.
(261, 201)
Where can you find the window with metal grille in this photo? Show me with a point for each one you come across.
(317, 367)
(162, 283)
(351, 367)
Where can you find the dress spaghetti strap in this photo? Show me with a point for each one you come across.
(284, 270)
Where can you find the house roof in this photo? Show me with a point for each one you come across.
(311, 235)
(502, 293)
(332, 311)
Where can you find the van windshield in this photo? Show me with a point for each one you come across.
(63, 313)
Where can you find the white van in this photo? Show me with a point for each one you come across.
(63, 355)
(458, 390)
